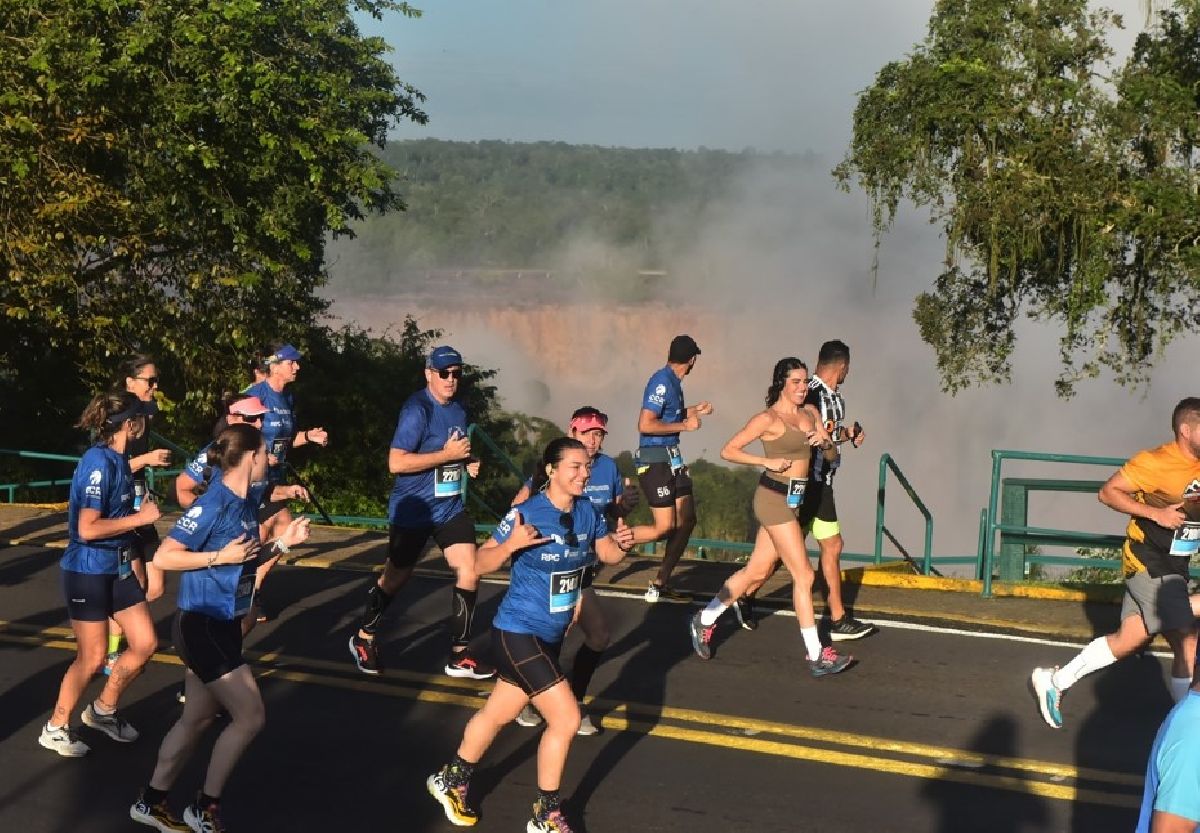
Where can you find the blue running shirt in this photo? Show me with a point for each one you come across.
(434, 496)
(198, 468)
(1173, 772)
(663, 397)
(217, 517)
(102, 481)
(278, 427)
(546, 580)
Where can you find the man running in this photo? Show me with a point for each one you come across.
(818, 514)
(429, 454)
(1160, 491)
(661, 472)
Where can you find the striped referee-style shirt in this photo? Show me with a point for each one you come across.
(832, 407)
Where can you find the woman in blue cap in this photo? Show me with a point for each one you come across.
(553, 539)
(280, 366)
(97, 574)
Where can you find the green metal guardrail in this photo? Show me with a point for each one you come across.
(1012, 525)
(887, 463)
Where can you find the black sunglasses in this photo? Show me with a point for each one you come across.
(149, 380)
(450, 373)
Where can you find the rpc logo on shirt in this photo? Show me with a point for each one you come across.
(93, 487)
(659, 395)
(189, 522)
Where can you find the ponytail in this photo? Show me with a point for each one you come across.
(779, 377)
(97, 417)
(232, 444)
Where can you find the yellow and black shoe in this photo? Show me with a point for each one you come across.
(452, 799)
(157, 816)
(547, 821)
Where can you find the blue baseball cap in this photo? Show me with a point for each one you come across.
(286, 353)
(442, 357)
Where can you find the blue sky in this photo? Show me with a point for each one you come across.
(769, 74)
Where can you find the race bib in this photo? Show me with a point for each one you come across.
(139, 493)
(795, 493)
(675, 457)
(124, 563)
(448, 480)
(564, 589)
(243, 597)
(1186, 541)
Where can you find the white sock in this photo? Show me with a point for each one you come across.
(713, 611)
(812, 642)
(100, 710)
(1094, 656)
(50, 727)
(1179, 687)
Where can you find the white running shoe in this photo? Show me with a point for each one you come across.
(586, 727)
(109, 724)
(529, 717)
(63, 741)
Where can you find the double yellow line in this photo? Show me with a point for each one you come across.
(764, 737)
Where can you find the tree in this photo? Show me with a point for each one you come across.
(171, 171)
(1058, 199)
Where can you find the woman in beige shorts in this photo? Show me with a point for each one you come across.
(788, 432)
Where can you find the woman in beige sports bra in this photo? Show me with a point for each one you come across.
(788, 432)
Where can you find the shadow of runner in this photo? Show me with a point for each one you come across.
(643, 679)
(962, 807)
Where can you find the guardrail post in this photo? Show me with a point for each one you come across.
(982, 542)
(1014, 511)
(880, 500)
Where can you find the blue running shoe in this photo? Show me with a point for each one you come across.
(1048, 696)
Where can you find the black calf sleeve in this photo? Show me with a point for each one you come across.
(463, 611)
(377, 603)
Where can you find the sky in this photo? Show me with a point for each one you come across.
(768, 74)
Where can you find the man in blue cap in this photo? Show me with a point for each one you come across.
(430, 456)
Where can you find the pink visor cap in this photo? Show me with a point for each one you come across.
(589, 422)
(248, 406)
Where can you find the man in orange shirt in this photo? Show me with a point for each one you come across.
(1160, 491)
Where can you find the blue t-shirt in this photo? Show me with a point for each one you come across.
(199, 470)
(278, 426)
(1173, 772)
(102, 481)
(546, 580)
(664, 398)
(217, 517)
(434, 496)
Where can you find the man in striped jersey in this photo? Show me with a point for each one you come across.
(818, 513)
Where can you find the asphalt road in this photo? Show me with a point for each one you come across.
(928, 731)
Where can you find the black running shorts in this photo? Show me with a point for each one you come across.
(527, 662)
(209, 647)
(94, 598)
(405, 544)
(661, 486)
(145, 542)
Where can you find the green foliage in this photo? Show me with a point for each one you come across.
(1096, 575)
(1058, 198)
(171, 171)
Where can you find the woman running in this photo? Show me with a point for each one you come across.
(606, 490)
(216, 546)
(551, 539)
(97, 574)
(788, 432)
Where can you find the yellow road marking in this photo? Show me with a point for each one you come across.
(473, 693)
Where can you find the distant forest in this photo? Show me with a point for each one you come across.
(502, 205)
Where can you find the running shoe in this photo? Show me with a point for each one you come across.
(701, 636)
(156, 816)
(1048, 696)
(181, 696)
(462, 664)
(109, 662)
(206, 820)
(547, 821)
(452, 799)
(830, 662)
(529, 717)
(662, 593)
(109, 724)
(365, 655)
(745, 614)
(586, 727)
(846, 628)
(64, 741)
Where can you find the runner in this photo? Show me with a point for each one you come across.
(789, 432)
(552, 539)
(606, 490)
(1171, 795)
(1160, 491)
(818, 515)
(215, 545)
(281, 366)
(430, 451)
(662, 475)
(97, 574)
(139, 376)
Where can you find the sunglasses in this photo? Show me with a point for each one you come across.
(152, 381)
(450, 373)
